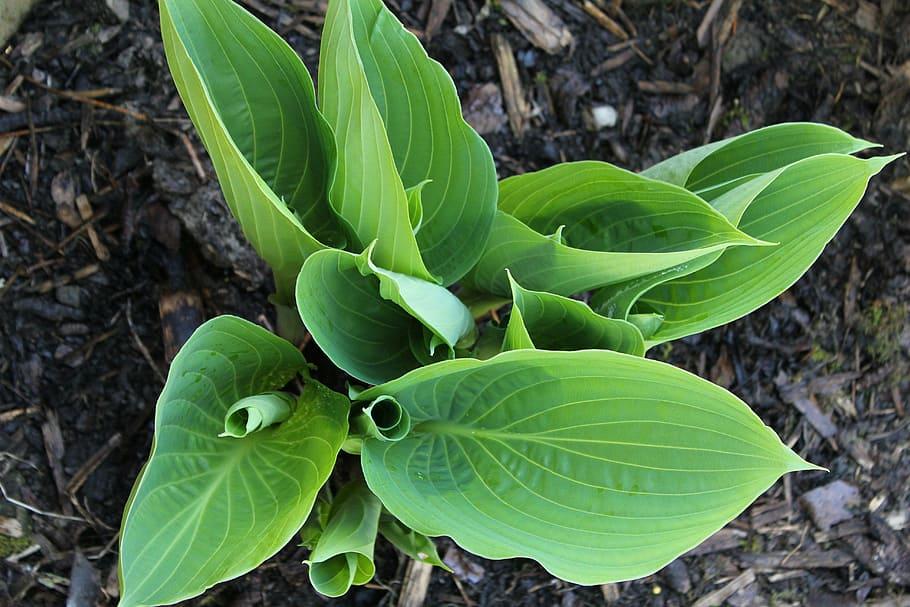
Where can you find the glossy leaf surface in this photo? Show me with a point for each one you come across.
(373, 323)
(205, 508)
(801, 207)
(429, 140)
(553, 322)
(601, 466)
(252, 102)
(367, 192)
(343, 555)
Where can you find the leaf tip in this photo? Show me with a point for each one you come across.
(877, 163)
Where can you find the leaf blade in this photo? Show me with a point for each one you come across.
(600, 445)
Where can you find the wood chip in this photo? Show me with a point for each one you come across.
(516, 103)
(415, 584)
(725, 539)
(614, 62)
(611, 593)
(14, 212)
(11, 104)
(87, 214)
(722, 594)
(803, 559)
(604, 20)
(831, 504)
(438, 11)
(798, 396)
(663, 87)
(539, 24)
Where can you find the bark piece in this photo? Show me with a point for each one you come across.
(831, 504)
(539, 24)
(516, 103)
(722, 594)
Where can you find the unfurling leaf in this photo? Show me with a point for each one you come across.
(343, 555)
(205, 508)
(373, 323)
(254, 413)
(367, 192)
(415, 545)
(601, 466)
(553, 322)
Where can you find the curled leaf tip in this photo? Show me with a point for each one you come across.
(253, 413)
(384, 419)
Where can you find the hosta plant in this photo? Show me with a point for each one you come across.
(547, 435)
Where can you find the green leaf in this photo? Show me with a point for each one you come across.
(256, 412)
(801, 206)
(343, 555)
(252, 102)
(429, 139)
(544, 263)
(207, 509)
(601, 466)
(552, 322)
(376, 324)
(606, 225)
(367, 193)
(415, 545)
(382, 419)
(713, 168)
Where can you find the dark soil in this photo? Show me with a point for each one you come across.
(826, 364)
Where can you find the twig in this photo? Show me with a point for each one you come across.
(139, 344)
(35, 510)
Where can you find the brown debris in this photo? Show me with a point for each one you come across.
(415, 584)
(604, 20)
(483, 108)
(516, 103)
(806, 558)
(722, 594)
(662, 87)
(831, 504)
(438, 11)
(463, 566)
(539, 24)
(799, 396)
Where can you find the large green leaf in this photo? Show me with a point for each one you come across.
(429, 139)
(713, 168)
(252, 102)
(553, 322)
(373, 323)
(801, 207)
(605, 224)
(546, 263)
(601, 466)
(367, 193)
(343, 555)
(206, 508)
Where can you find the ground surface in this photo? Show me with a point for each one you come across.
(81, 345)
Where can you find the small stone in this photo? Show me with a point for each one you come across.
(677, 576)
(69, 295)
(831, 504)
(603, 117)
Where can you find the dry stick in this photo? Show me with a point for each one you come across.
(516, 105)
(722, 594)
(415, 584)
(35, 510)
(604, 20)
(704, 27)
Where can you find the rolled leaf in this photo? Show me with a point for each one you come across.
(343, 555)
(429, 139)
(415, 545)
(601, 466)
(254, 413)
(383, 419)
(552, 322)
(801, 207)
(373, 323)
(252, 102)
(581, 225)
(716, 167)
(207, 509)
(366, 193)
